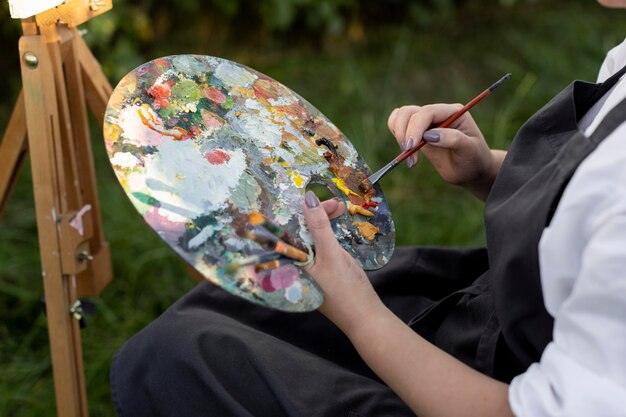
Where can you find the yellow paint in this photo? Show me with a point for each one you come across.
(297, 179)
(343, 188)
(112, 132)
(367, 230)
(353, 209)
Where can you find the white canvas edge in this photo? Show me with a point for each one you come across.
(21, 9)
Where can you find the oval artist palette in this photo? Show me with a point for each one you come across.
(202, 145)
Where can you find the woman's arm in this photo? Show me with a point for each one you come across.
(430, 381)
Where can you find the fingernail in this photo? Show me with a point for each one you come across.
(337, 199)
(311, 200)
(409, 144)
(403, 147)
(431, 136)
(409, 161)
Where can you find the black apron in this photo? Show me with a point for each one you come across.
(214, 354)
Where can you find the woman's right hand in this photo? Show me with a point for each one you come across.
(459, 153)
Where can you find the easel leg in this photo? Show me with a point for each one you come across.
(42, 120)
(12, 151)
(75, 52)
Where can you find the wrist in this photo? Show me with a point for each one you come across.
(481, 186)
(361, 318)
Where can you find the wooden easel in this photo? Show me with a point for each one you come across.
(60, 76)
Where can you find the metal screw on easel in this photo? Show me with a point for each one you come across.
(31, 60)
(76, 311)
(84, 256)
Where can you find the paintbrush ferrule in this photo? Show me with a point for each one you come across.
(375, 177)
(273, 264)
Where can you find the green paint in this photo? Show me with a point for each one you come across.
(146, 199)
(186, 91)
(247, 192)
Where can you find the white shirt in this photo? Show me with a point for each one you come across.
(582, 257)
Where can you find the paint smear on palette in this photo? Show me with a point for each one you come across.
(198, 143)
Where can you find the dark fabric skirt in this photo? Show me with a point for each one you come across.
(214, 354)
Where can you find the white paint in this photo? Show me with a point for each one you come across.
(293, 294)
(172, 216)
(21, 9)
(259, 128)
(289, 157)
(201, 237)
(161, 79)
(234, 76)
(255, 105)
(199, 186)
(124, 160)
(135, 131)
(281, 101)
(190, 108)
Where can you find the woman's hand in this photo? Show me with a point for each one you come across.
(348, 293)
(459, 153)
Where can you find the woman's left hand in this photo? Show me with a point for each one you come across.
(348, 293)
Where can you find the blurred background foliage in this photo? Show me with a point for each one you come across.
(355, 61)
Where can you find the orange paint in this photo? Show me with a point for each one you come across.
(353, 209)
(147, 118)
(367, 230)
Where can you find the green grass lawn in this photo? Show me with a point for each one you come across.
(356, 85)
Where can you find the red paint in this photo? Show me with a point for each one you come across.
(217, 157)
(367, 205)
(266, 282)
(161, 95)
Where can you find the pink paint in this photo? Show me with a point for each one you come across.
(284, 276)
(217, 156)
(214, 94)
(167, 229)
(77, 220)
(209, 119)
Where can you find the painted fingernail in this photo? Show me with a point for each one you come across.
(337, 199)
(311, 200)
(410, 161)
(431, 136)
(403, 147)
(409, 144)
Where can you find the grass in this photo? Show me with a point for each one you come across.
(356, 86)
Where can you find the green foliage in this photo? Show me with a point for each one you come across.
(355, 61)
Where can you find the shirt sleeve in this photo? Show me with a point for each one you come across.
(582, 372)
(613, 62)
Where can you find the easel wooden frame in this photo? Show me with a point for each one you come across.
(60, 76)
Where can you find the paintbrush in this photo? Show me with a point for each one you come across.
(273, 264)
(251, 260)
(258, 219)
(269, 241)
(375, 177)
